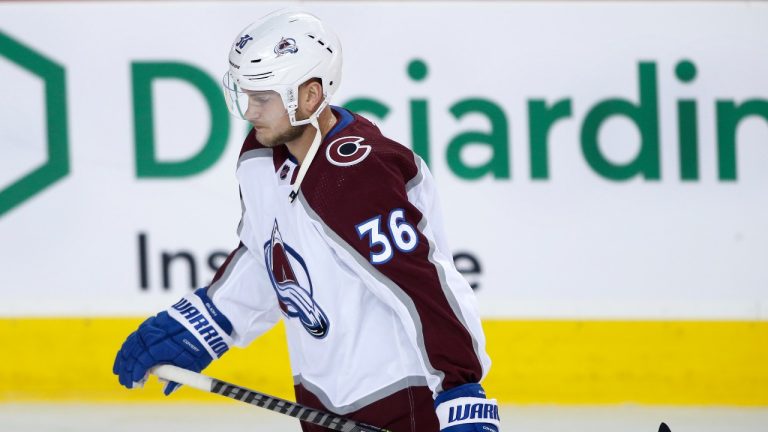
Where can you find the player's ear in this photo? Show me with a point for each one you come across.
(312, 94)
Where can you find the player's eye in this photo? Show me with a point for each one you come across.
(260, 99)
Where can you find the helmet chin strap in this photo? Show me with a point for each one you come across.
(312, 148)
(308, 158)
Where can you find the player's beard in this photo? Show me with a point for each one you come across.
(291, 134)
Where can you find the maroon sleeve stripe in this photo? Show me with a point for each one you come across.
(222, 274)
(454, 303)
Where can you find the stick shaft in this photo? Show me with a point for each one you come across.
(272, 403)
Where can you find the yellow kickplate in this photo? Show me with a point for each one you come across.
(547, 361)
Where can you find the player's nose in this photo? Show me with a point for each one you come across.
(252, 112)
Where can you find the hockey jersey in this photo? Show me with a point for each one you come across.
(357, 266)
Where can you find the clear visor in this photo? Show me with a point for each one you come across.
(263, 106)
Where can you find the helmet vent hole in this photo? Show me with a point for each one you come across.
(311, 36)
(255, 61)
(329, 50)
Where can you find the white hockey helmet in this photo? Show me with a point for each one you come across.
(279, 52)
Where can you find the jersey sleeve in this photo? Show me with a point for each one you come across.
(383, 215)
(240, 291)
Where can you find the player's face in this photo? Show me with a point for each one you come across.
(269, 118)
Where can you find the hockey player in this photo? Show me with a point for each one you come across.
(342, 238)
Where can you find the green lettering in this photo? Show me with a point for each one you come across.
(689, 141)
(645, 115)
(687, 125)
(497, 139)
(418, 71)
(420, 129)
(147, 165)
(540, 121)
(729, 115)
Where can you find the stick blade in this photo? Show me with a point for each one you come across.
(663, 427)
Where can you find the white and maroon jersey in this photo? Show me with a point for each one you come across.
(357, 266)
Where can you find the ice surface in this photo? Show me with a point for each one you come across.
(164, 417)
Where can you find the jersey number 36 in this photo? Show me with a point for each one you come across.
(401, 233)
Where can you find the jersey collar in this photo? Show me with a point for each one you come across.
(343, 119)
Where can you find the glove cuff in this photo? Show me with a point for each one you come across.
(465, 408)
(474, 390)
(208, 325)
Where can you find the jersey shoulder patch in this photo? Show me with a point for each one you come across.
(358, 174)
(347, 150)
(361, 150)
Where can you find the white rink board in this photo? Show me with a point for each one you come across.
(575, 244)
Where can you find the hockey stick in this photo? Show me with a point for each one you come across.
(206, 383)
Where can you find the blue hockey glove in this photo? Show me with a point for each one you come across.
(190, 335)
(466, 409)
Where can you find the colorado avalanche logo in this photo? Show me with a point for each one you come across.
(295, 300)
(286, 46)
(347, 151)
